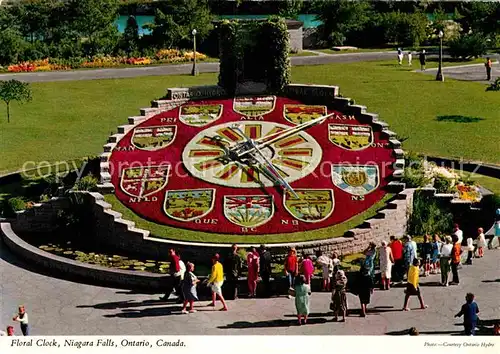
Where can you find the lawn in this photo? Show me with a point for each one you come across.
(70, 120)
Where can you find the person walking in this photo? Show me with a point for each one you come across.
(265, 270)
(176, 270)
(410, 57)
(445, 259)
(253, 271)
(455, 260)
(307, 269)
(469, 310)
(302, 292)
(408, 254)
(481, 242)
(215, 282)
(22, 318)
(386, 260)
(436, 246)
(326, 264)
(339, 296)
(189, 289)
(291, 267)
(412, 287)
(422, 58)
(232, 268)
(370, 254)
(397, 255)
(400, 56)
(364, 287)
(459, 233)
(470, 250)
(488, 66)
(9, 332)
(427, 253)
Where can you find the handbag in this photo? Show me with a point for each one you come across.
(291, 292)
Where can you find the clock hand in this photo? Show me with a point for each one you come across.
(262, 142)
(270, 165)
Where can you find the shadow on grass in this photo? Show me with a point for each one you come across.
(271, 323)
(455, 118)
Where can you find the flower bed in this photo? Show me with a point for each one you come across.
(163, 56)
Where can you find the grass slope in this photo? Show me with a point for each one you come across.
(167, 232)
(69, 120)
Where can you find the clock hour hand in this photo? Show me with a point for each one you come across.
(273, 171)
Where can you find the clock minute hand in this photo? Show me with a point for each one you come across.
(263, 142)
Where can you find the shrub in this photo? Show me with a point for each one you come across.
(442, 184)
(414, 178)
(468, 46)
(428, 216)
(87, 183)
(14, 205)
(495, 86)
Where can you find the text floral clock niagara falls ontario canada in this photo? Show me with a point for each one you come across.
(253, 165)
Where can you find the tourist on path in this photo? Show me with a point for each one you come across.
(307, 269)
(232, 268)
(481, 242)
(176, 270)
(412, 287)
(253, 271)
(370, 254)
(215, 282)
(400, 56)
(408, 253)
(455, 260)
(189, 288)
(22, 318)
(397, 255)
(445, 260)
(9, 332)
(336, 262)
(265, 270)
(459, 233)
(326, 264)
(427, 254)
(339, 296)
(386, 260)
(469, 310)
(302, 293)
(495, 240)
(409, 58)
(291, 267)
(422, 60)
(470, 250)
(364, 287)
(436, 247)
(488, 66)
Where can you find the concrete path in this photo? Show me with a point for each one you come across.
(60, 307)
(182, 68)
(474, 72)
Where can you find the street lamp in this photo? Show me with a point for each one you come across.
(194, 71)
(439, 76)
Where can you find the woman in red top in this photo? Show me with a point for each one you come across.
(253, 271)
(307, 268)
(291, 267)
(397, 253)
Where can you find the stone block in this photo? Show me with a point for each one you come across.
(395, 144)
(106, 188)
(388, 133)
(105, 177)
(115, 138)
(370, 118)
(399, 173)
(399, 164)
(149, 112)
(109, 147)
(399, 153)
(104, 166)
(123, 129)
(136, 120)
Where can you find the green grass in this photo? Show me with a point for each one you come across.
(303, 53)
(70, 120)
(162, 231)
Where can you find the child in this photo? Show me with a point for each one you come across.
(470, 251)
(427, 253)
(22, 318)
(412, 286)
(189, 289)
(481, 242)
(302, 293)
(436, 246)
(469, 311)
(9, 333)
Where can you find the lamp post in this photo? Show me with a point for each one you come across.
(439, 76)
(194, 71)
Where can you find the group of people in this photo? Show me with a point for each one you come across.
(22, 318)
(421, 57)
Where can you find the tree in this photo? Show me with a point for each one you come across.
(468, 46)
(11, 44)
(340, 18)
(14, 90)
(290, 9)
(130, 38)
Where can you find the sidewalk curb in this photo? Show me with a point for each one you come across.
(454, 67)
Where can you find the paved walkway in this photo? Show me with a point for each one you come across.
(474, 72)
(60, 307)
(182, 68)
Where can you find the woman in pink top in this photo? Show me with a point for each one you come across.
(253, 271)
(307, 268)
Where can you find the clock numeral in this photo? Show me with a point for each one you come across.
(358, 197)
(288, 222)
(207, 221)
(168, 120)
(142, 199)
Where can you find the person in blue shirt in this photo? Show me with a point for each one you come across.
(469, 311)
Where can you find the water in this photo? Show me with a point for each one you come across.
(309, 20)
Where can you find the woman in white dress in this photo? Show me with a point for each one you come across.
(386, 262)
(481, 242)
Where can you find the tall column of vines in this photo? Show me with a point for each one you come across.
(229, 55)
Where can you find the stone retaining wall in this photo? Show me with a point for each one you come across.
(42, 217)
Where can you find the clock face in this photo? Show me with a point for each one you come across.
(251, 165)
